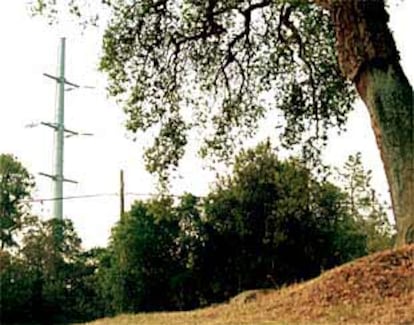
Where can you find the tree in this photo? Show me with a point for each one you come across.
(368, 56)
(16, 298)
(49, 280)
(15, 186)
(277, 224)
(268, 223)
(189, 283)
(142, 258)
(364, 204)
(51, 251)
(221, 57)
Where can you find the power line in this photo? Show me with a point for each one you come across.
(95, 195)
(84, 196)
(154, 194)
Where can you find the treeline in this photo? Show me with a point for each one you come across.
(49, 279)
(268, 224)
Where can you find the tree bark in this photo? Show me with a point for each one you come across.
(368, 56)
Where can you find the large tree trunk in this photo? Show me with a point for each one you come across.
(368, 56)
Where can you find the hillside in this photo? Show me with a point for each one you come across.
(377, 289)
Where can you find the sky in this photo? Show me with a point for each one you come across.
(30, 48)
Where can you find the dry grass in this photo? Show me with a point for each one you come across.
(377, 290)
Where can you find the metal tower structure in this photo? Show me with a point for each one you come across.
(59, 129)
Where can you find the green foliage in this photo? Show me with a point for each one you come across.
(267, 224)
(365, 205)
(86, 13)
(17, 289)
(49, 280)
(51, 250)
(142, 260)
(221, 59)
(46, 278)
(278, 209)
(15, 187)
(219, 66)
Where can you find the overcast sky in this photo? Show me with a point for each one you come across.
(30, 48)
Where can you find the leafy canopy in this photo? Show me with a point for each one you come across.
(49, 279)
(16, 185)
(365, 204)
(267, 223)
(220, 66)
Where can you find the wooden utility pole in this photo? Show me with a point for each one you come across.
(122, 193)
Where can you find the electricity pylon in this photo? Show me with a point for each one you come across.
(59, 128)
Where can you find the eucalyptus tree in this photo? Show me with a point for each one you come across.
(232, 61)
